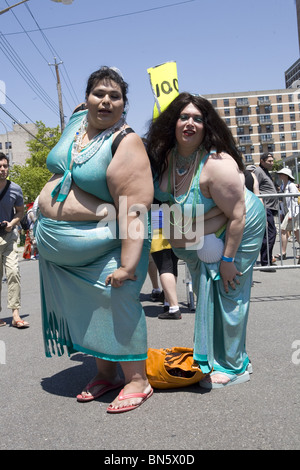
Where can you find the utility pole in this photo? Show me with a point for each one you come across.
(12, 6)
(58, 85)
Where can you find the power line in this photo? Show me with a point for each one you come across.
(23, 127)
(7, 97)
(106, 18)
(54, 53)
(22, 69)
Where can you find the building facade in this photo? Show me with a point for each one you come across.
(262, 121)
(13, 143)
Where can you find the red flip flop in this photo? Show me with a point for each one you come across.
(144, 397)
(108, 386)
(20, 324)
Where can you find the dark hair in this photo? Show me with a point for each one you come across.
(109, 74)
(161, 135)
(265, 156)
(3, 156)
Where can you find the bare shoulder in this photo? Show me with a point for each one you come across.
(219, 165)
(130, 152)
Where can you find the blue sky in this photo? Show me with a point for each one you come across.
(219, 46)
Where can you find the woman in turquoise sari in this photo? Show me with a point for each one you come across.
(197, 163)
(92, 236)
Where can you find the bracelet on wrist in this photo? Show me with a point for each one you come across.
(227, 259)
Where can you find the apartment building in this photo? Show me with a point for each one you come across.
(13, 143)
(262, 121)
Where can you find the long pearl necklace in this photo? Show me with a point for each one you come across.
(177, 187)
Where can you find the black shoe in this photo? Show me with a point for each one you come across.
(155, 296)
(170, 316)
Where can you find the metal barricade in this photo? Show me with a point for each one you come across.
(278, 220)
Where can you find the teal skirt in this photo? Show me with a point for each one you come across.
(79, 311)
(221, 318)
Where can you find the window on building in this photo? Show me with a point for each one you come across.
(226, 102)
(8, 145)
(214, 103)
(292, 107)
(293, 126)
(227, 112)
(282, 136)
(292, 116)
(0, 145)
(281, 127)
(280, 117)
(294, 135)
(280, 108)
(282, 146)
(294, 145)
(283, 155)
(279, 98)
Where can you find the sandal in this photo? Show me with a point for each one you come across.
(20, 324)
(143, 396)
(279, 256)
(107, 387)
(233, 380)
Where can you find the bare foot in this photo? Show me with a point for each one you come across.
(217, 378)
(131, 388)
(98, 386)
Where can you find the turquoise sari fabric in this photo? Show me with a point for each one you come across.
(79, 312)
(221, 318)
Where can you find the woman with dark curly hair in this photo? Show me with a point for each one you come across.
(197, 163)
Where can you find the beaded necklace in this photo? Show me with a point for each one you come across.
(176, 189)
(183, 164)
(81, 154)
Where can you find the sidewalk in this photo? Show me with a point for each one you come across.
(39, 411)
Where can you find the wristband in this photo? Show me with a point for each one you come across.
(228, 260)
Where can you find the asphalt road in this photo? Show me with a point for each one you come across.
(39, 411)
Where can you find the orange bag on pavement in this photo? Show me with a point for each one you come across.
(172, 368)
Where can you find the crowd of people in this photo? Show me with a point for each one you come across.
(94, 229)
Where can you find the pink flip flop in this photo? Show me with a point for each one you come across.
(20, 324)
(144, 397)
(108, 386)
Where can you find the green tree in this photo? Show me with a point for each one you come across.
(46, 139)
(34, 174)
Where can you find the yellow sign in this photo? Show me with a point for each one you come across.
(164, 83)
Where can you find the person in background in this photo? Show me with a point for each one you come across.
(156, 293)
(266, 186)
(166, 262)
(251, 180)
(290, 222)
(11, 212)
